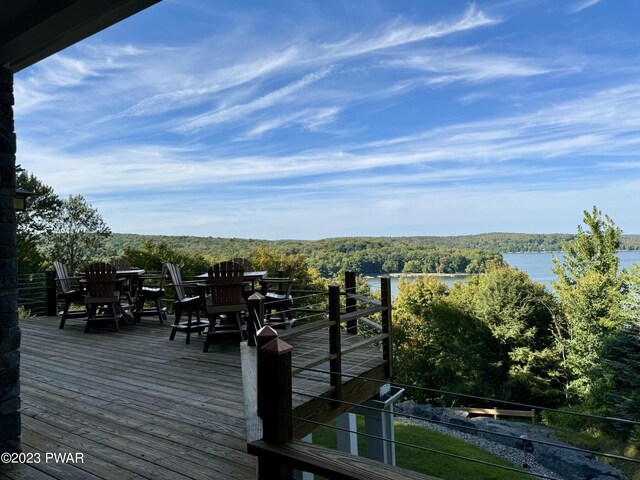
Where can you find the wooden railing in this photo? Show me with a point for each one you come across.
(277, 450)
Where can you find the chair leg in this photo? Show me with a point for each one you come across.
(189, 327)
(65, 312)
(178, 313)
(161, 314)
(210, 330)
(239, 324)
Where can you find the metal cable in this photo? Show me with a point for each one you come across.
(495, 400)
(475, 429)
(427, 449)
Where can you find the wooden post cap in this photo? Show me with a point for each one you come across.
(256, 297)
(276, 347)
(267, 332)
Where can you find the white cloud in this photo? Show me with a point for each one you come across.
(582, 5)
(239, 112)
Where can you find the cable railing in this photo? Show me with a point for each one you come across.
(347, 390)
(37, 293)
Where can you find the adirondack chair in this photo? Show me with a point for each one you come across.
(185, 303)
(224, 299)
(69, 294)
(103, 295)
(146, 292)
(278, 301)
(127, 288)
(245, 263)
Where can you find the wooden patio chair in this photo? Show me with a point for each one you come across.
(224, 299)
(127, 289)
(245, 263)
(146, 292)
(185, 303)
(69, 294)
(278, 301)
(103, 295)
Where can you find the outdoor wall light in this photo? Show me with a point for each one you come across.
(20, 199)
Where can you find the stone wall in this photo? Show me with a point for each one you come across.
(9, 329)
(558, 457)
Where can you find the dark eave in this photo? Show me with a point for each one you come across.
(31, 30)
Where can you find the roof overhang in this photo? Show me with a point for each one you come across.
(31, 30)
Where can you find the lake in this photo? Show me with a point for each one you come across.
(537, 265)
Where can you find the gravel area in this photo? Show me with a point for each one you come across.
(512, 455)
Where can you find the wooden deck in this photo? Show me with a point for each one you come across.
(138, 406)
(135, 404)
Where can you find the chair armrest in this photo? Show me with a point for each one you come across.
(275, 280)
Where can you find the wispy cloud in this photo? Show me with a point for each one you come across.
(469, 107)
(399, 33)
(238, 112)
(582, 5)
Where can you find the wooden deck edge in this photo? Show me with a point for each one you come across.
(331, 463)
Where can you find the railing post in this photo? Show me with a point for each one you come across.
(264, 336)
(50, 289)
(255, 304)
(335, 350)
(387, 343)
(350, 287)
(277, 426)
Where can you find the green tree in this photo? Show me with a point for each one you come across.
(616, 393)
(439, 346)
(77, 235)
(151, 255)
(36, 222)
(589, 287)
(520, 315)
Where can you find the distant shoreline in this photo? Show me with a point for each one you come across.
(442, 275)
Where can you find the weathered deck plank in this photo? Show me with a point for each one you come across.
(140, 406)
(135, 404)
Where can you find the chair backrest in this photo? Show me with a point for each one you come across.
(244, 262)
(176, 279)
(63, 276)
(121, 264)
(285, 288)
(163, 276)
(225, 284)
(101, 279)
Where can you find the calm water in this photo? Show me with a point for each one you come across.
(537, 265)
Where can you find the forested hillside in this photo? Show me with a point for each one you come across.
(371, 255)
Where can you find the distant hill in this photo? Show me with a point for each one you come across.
(372, 255)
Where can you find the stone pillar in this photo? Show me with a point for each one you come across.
(9, 330)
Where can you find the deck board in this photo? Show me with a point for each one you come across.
(134, 403)
(140, 406)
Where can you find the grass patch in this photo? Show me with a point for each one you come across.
(431, 463)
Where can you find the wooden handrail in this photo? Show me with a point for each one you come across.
(330, 463)
(363, 299)
(309, 327)
(364, 342)
(345, 317)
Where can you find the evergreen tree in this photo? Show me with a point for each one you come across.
(589, 287)
(519, 314)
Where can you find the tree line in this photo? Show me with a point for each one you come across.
(502, 336)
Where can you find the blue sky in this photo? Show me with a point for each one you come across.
(301, 119)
